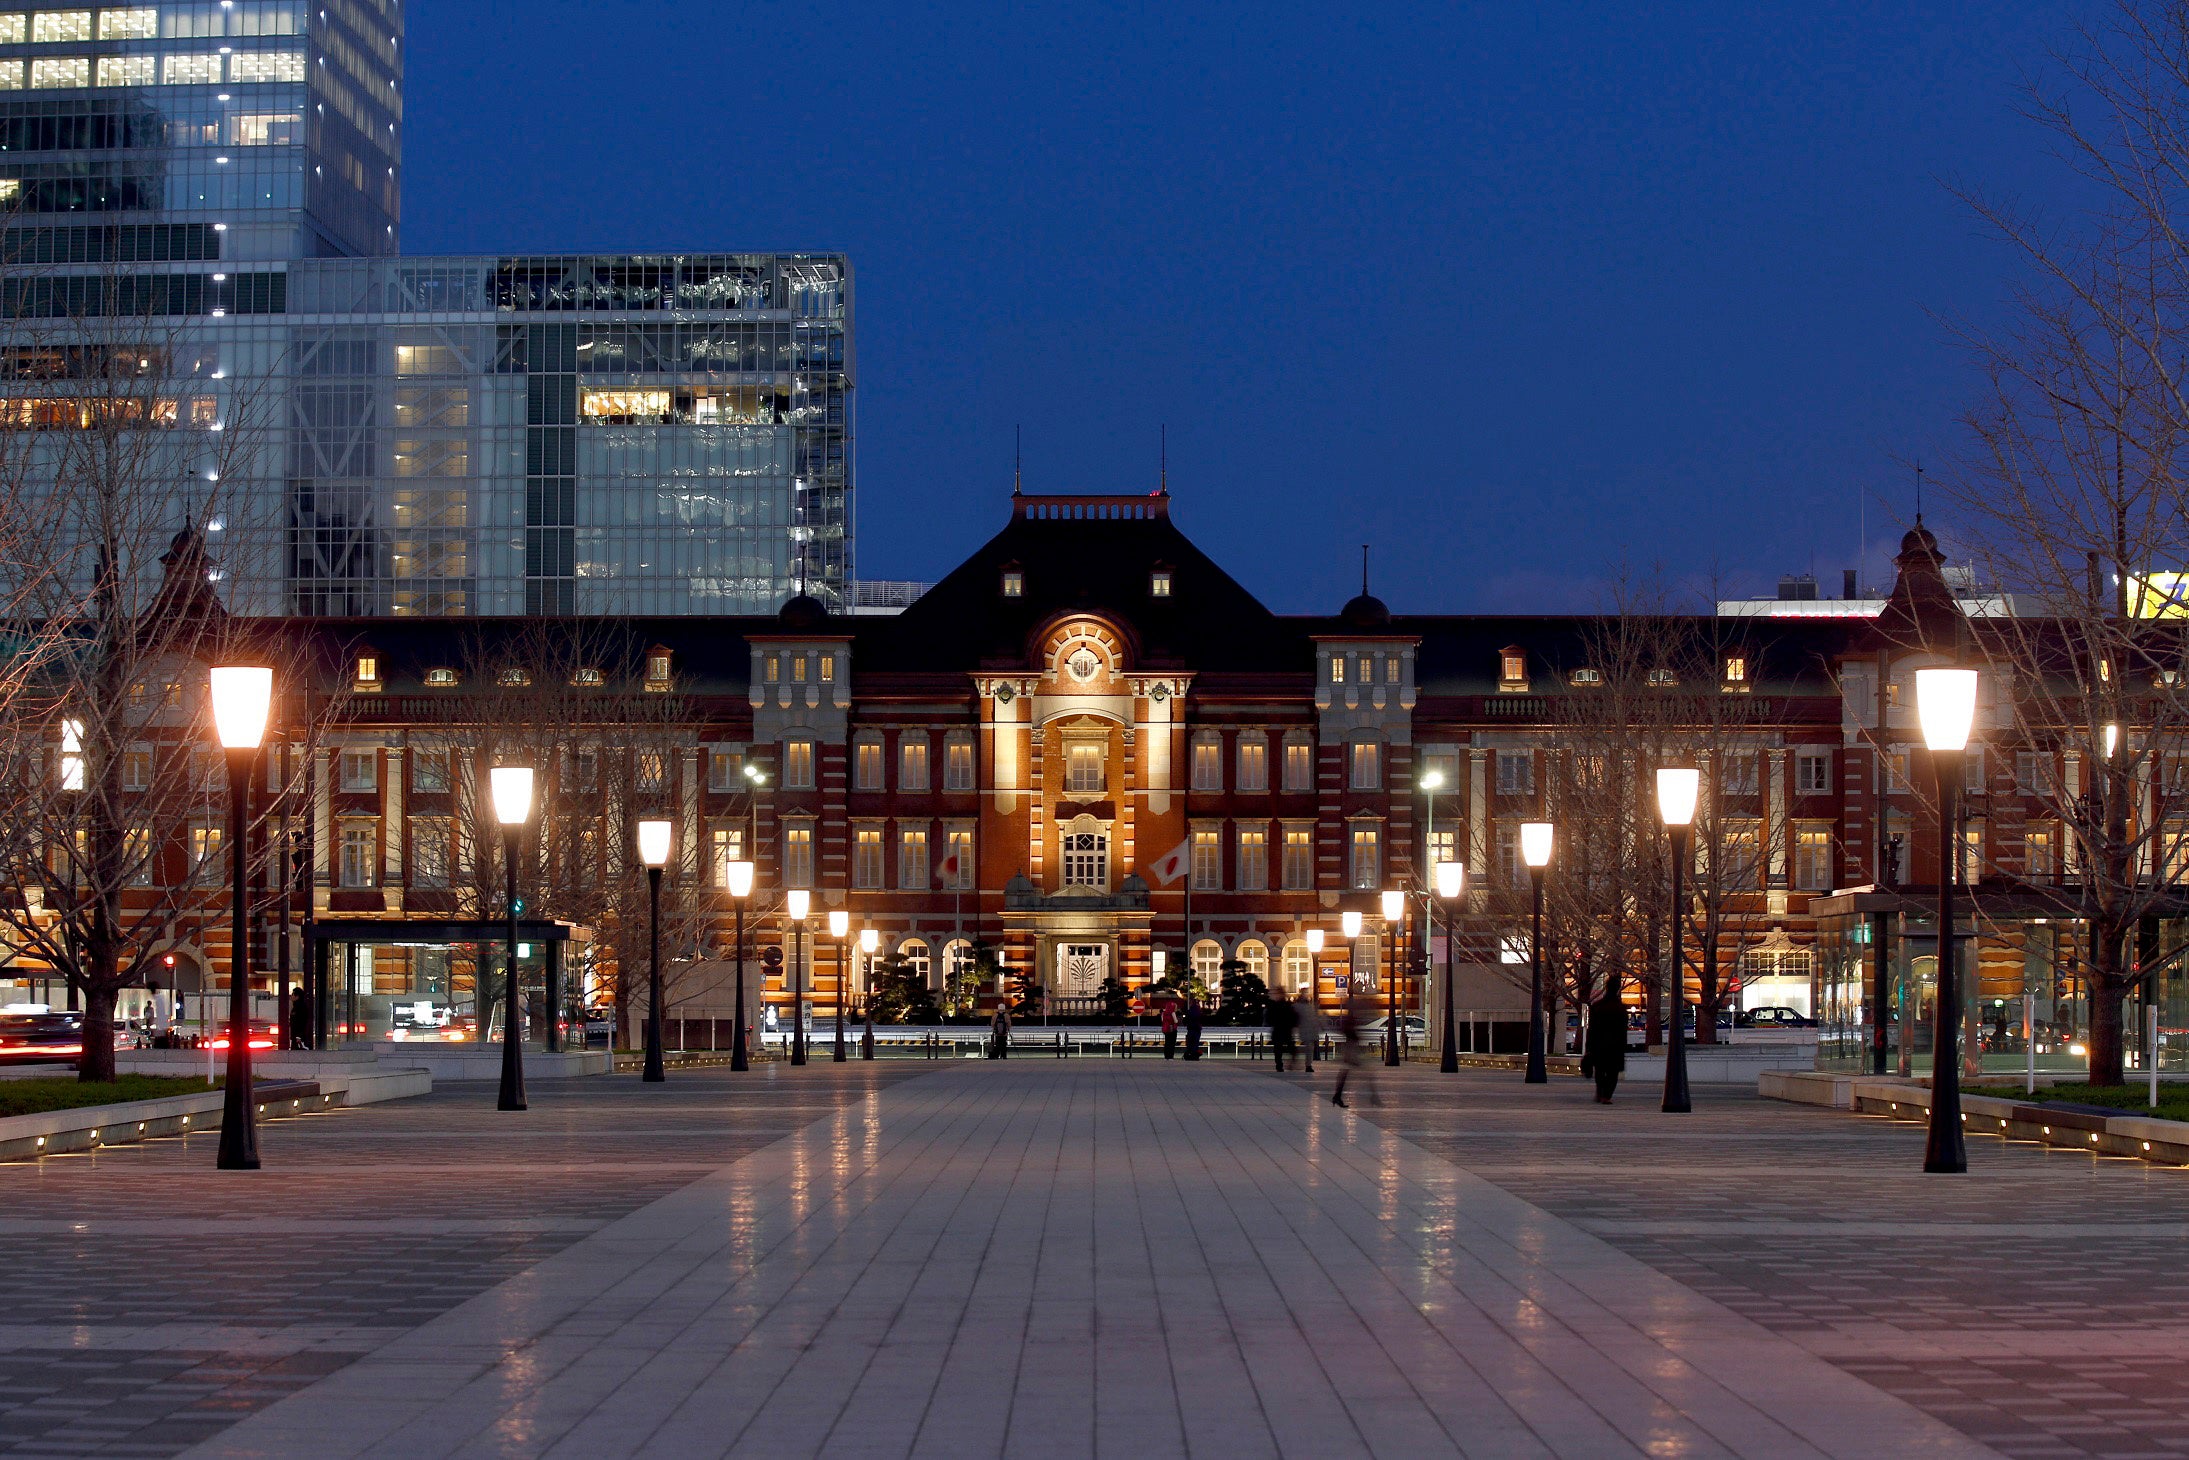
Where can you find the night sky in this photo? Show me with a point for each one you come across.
(1513, 292)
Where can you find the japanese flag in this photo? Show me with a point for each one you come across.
(951, 866)
(1171, 865)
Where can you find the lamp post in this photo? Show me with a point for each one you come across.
(242, 698)
(1677, 789)
(1535, 850)
(511, 789)
(869, 940)
(797, 903)
(1394, 912)
(740, 875)
(1451, 880)
(839, 928)
(1945, 702)
(1314, 986)
(653, 850)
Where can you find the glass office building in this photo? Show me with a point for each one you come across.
(216, 185)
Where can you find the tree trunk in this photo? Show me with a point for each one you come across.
(1653, 996)
(97, 1064)
(1706, 1001)
(2108, 981)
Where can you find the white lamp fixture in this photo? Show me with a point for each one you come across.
(1451, 879)
(653, 843)
(798, 902)
(1394, 906)
(511, 786)
(1535, 843)
(740, 878)
(241, 699)
(2112, 740)
(1945, 701)
(1677, 788)
(1349, 923)
(1431, 780)
(839, 923)
(869, 939)
(1314, 941)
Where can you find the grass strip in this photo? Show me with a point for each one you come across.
(34, 1097)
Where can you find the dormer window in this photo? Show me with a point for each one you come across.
(828, 669)
(1337, 669)
(657, 671)
(1159, 583)
(513, 678)
(1391, 669)
(441, 678)
(1663, 679)
(771, 669)
(588, 678)
(1512, 669)
(365, 672)
(1014, 583)
(1736, 674)
(798, 669)
(1585, 678)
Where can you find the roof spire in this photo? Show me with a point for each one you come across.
(1364, 570)
(1016, 490)
(1163, 460)
(1919, 494)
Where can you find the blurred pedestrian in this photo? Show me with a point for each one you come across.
(1351, 1051)
(1193, 1028)
(1284, 1022)
(999, 1033)
(1310, 1022)
(1170, 1029)
(1604, 1047)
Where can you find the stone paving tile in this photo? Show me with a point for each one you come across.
(359, 1229)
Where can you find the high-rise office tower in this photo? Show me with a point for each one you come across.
(214, 187)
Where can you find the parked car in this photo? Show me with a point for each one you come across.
(1411, 1030)
(1773, 1016)
(31, 1038)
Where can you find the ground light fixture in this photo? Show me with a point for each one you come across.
(797, 903)
(1945, 704)
(739, 876)
(243, 697)
(839, 928)
(870, 941)
(1394, 912)
(1535, 849)
(1451, 885)
(1677, 789)
(509, 788)
(653, 851)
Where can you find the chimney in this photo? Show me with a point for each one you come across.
(1848, 587)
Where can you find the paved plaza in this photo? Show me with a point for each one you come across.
(1090, 1257)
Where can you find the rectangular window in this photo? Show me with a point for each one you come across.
(1512, 668)
(828, 669)
(360, 854)
(2040, 854)
(1975, 772)
(1253, 865)
(137, 23)
(137, 768)
(1737, 776)
(1367, 858)
(429, 770)
(1972, 855)
(866, 857)
(137, 856)
(14, 30)
(1812, 773)
(205, 844)
(1896, 771)
(430, 846)
(1299, 766)
(650, 772)
(583, 770)
(265, 129)
(1507, 864)
(51, 26)
(1367, 764)
(189, 70)
(912, 764)
(1083, 768)
(1515, 773)
(866, 766)
(772, 669)
(913, 873)
(1391, 669)
(1443, 847)
(1299, 867)
(1337, 669)
(957, 771)
(1253, 763)
(125, 71)
(798, 765)
(11, 79)
(1208, 861)
(61, 72)
(797, 669)
(1208, 764)
(957, 868)
(248, 66)
(1813, 856)
(798, 855)
(725, 844)
(360, 771)
(2033, 773)
(1740, 855)
(722, 770)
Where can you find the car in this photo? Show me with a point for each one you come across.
(1411, 1029)
(1773, 1016)
(262, 1035)
(30, 1038)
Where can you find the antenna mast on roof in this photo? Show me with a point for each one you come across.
(1163, 460)
(1015, 487)
(1919, 494)
(1364, 570)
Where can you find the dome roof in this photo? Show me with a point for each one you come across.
(1919, 540)
(1365, 611)
(804, 612)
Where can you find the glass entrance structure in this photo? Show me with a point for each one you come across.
(401, 980)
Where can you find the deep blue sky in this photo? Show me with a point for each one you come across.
(1510, 291)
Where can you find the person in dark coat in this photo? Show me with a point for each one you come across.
(999, 1032)
(1283, 1022)
(1604, 1053)
(1193, 1029)
(1170, 1029)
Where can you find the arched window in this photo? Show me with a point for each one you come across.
(1208, 961)
(957, 959)
(1254, 953)
(914, 953)
(1087, 859)
(1299, 969)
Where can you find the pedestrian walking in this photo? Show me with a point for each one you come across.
(1170, 1029)
(1284, 1021)
(1309, 1020)
(999, 1033)
(1193, 1028)
(1351, 1051)
(1604, 1050)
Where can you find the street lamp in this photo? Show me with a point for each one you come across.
(1349, 924)
(1677, 789)
(740, 875)
(797, 903)
(510, 787)
(1535, 850)
(242, 698)
(869, 940)
(653, 850)
(839, 928)
(1394, 909)
(1451, 880)
(1945, 702)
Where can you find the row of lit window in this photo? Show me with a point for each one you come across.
(1013, 582)
(366, 678)
(912, 764)
(142, 23)
(68, 72)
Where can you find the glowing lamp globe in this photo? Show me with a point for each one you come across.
(242, 697)
(511, 789)
(1677, 788)
(653, 843)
